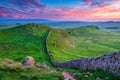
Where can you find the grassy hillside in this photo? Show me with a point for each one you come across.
(30, 40)
(20, 41)
(13, 70)
(81, 42)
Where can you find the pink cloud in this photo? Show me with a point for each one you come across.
(104, 12)
(16, 16)
(89, 2)
(4, 14)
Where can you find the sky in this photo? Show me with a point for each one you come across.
(61, 10)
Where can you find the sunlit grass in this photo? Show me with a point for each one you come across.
(81, 43)
(19, 42)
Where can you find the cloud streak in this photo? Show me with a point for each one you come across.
(89, 2)
(89, 10)
(20, 8)
(104, 12)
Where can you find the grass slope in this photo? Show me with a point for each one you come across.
(81, 42)
(13, 70)
(20, 41)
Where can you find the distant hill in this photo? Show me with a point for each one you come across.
(21, 21)
(73, 24)
(61, 24)
(24, 19)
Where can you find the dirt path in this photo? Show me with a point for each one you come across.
(68, 76)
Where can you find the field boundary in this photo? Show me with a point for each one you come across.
(49, 55)
(106, 62)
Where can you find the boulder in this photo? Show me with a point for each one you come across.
(9, 61)
(28, 61)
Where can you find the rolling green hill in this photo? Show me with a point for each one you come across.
(81, 42)
(20, 41)
(30, 40)
(17, 43)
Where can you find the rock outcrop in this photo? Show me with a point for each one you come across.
(28, 61)
(68, 76)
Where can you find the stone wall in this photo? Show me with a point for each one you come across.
(110, 62)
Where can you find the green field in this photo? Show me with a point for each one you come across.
(18, 42)
(81, 42)
(30, 40)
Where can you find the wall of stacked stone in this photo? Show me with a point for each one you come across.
(109, 62)
(49, 55)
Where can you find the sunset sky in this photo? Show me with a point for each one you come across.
(72, 10)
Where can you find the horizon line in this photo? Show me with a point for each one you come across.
(62, 20)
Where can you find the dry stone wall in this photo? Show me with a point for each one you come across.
(109, 62)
